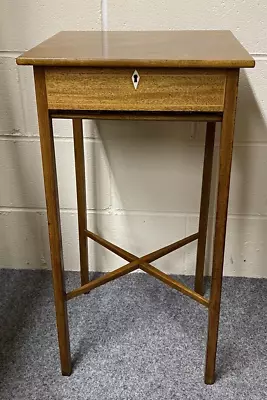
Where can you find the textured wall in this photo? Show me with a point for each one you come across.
(143, 178)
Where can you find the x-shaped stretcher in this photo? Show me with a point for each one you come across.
(142, 263)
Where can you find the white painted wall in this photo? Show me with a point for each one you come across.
(143, 178)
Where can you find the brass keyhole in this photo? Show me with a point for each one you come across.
(135, 78)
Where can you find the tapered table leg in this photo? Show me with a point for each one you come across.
(226, 145)
(53, 216)
(81, 197)
(204, 207)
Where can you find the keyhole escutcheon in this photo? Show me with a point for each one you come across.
(135, 79)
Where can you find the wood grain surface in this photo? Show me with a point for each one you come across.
(204, 207)
(225, 162)
(183, 75)
(181, 49)
(131, 266)
(113, 89)
(138, 115)
(53, 217)
(150, 269)
(81, 197)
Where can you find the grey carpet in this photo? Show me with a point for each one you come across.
(134, 338)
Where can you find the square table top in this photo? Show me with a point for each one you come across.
(177, 49)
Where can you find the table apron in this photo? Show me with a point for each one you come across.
(159, 89)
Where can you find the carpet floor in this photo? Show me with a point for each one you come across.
(132, 339)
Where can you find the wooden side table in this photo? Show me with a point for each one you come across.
(185, 75)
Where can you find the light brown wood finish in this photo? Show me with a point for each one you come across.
(81, 197)
(186, 75)
(168, 280)
(226, 146)
(133, 265)
(149, 269)
(178, 49)
(108, 277)
(53, 216)
(204, 207)
(138, 115)
(112, 89)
